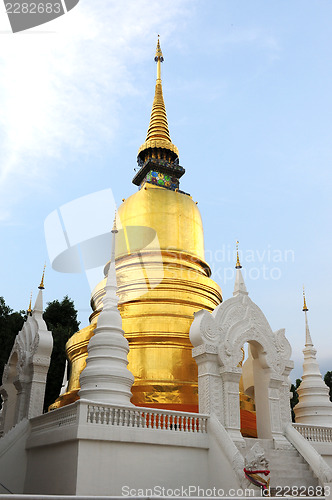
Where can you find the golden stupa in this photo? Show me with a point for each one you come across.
(162, 279)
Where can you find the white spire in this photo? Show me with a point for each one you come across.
(38, 307)
(308, 341)
(65, 380)
(314, 406)
(239, 286)
(106, 378)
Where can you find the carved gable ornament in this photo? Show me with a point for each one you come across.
(234, 322)
(24, 375)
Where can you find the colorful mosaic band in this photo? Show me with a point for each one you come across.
(162, 180)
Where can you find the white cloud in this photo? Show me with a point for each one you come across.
(58, 80)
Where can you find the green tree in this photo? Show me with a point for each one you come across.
(295, 399)
(61, 320)
(328, 382)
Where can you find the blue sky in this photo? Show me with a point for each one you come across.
(247, 86)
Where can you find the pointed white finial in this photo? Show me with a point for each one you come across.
(111, 299)
(308, 341)
(64, 385)
(239, 286)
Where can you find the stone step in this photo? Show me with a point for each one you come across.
(265, 443)
(291, 481)
(290, 470)
(285, 453)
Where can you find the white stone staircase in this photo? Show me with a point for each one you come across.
(287, 466)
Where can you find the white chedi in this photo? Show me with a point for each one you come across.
(314, 406)
(106, 378)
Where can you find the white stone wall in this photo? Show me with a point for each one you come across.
(13, 458)
(86, 455)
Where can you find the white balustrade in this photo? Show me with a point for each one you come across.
(146, 418)
(315, 433)
(120, 416)
(320, 468)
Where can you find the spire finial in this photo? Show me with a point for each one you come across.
(114, 228)
(41, 286)
(308, 341)
(239, 286)
(158, 136)
(305, 309)
(159, 58)
(238, 265)
(29, 311)
(114, 231)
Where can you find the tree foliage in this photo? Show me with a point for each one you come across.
(10, 324)
(328, 382)
(295, 399)
(61, 320)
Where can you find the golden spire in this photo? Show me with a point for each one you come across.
(158, 134)
(29, 311)
(238, 265)
(41, 286)
(159, 58)
(305, 309)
